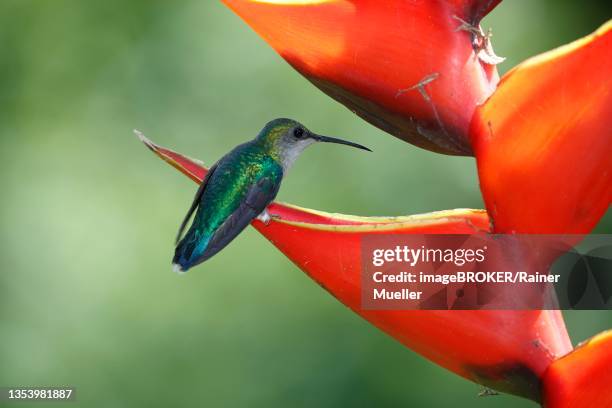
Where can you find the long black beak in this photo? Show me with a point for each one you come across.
(327, 139)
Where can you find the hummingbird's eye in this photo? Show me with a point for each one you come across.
(298, 132)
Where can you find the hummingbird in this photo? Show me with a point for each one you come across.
(238, 188)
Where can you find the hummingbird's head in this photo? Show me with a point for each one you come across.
(285, 139)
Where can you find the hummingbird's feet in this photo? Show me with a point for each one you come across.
(266, 217)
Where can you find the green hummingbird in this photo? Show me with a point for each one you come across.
(239, 187)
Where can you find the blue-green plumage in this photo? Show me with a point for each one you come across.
(239, 187)
(240, 173)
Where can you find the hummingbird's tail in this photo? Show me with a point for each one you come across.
(189, 251)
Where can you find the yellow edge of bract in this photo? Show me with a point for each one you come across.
(179, 167)
(564, 49)
(382, 223)
(598, 338)
(379, 219)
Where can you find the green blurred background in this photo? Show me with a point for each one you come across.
(89, 215)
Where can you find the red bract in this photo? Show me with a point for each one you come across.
(416, 69)
(543, 140)
(507, 350)
(581, 379)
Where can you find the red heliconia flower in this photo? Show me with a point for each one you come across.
(424, 71)
(416, 69)
(543, 141)
(506, 350)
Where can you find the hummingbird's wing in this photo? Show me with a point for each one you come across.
(256, 200)
(196, 202)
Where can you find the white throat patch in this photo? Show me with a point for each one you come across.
(290, 154)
